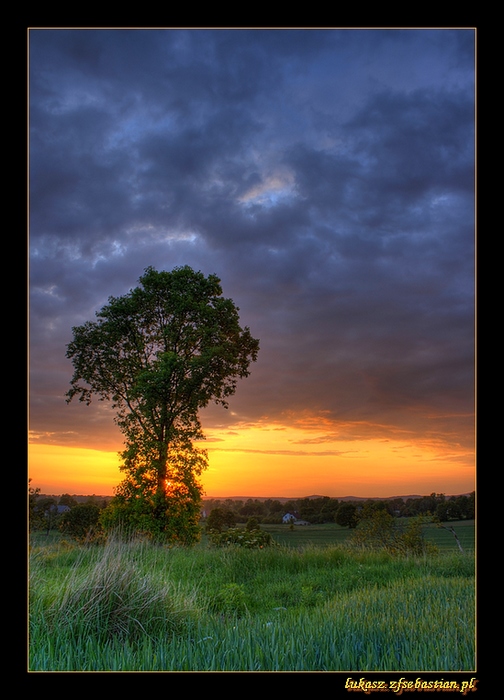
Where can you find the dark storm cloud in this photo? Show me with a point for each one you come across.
(326, 176)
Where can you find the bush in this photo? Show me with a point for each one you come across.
(346, 515)
(252, 524)
(219, 519)
(411, 540)
(379, 531)
(229, 600)
(159, 519)
(250, 539)
(82, 523)
(107, 595)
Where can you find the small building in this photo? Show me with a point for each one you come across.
(288, 518)
(62, 509)
(293, 519)
(56, 510)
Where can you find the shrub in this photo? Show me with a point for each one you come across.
(161, 519)
(346, 515)
(379, 531)
(82, 523)
(229, 600)
(250, 539)
(252, 524)
(219, 519)
(109, 595)
(375, 531)
(411, 540)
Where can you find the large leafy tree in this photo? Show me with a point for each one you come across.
(159, 354)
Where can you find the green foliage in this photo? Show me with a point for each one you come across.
(67, 500)
(36, 515)
(456, 508)
(380, 531)
(220, 519)
(252, 524)
(159, 354)
(375, 531)
(346, 515)
(253, 507)
(131, 606)
(411, 539)
(229, 600)
(82, 523)
(170, 515)
(317, 510)
(240, 537)
(157, 517)
(109, 595)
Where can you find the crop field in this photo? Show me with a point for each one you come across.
(133, 606)
(332, 534)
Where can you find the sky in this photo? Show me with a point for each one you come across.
(327, 178)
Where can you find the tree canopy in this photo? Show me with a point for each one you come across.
(160, 353)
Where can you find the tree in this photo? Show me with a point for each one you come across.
(36, 516)
(252, 524)
(346, 515)
(159, 354)
(173, 514)
(219, 519)
(81, 522)
(379, 530)
(67, 500)
(47, 513)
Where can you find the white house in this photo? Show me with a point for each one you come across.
(293, 519)
(289, 518)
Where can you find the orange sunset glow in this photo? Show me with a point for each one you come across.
(278, 461)
(324, 181)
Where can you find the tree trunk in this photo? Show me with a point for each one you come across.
(162, 469)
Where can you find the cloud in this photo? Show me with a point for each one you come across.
(327, 177)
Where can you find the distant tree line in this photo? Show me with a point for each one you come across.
(78, 516)
(75, 515)
(325, 509)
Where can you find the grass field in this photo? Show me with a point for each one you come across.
(333, 534)
(303, 607)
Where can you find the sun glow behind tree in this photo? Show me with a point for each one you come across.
(159, 354)
(327, 177)
(275, 460)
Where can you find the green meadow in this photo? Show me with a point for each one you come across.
(312, 603)
(331, 534)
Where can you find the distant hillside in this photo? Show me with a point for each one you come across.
(79, 499)
(283, 499)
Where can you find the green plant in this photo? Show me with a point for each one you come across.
(346, 515)
(230, 599)
(113, 593)
(380, 531)
(82, 523)
(219, 519)
(252, 524)
(250, 539)
(162, 518)
(135, 606)
(159, 354)
(411, 539)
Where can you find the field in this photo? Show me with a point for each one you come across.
(313, 605)
(332, 534)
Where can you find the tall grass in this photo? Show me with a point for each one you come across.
(133, 606)
(108, 593)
